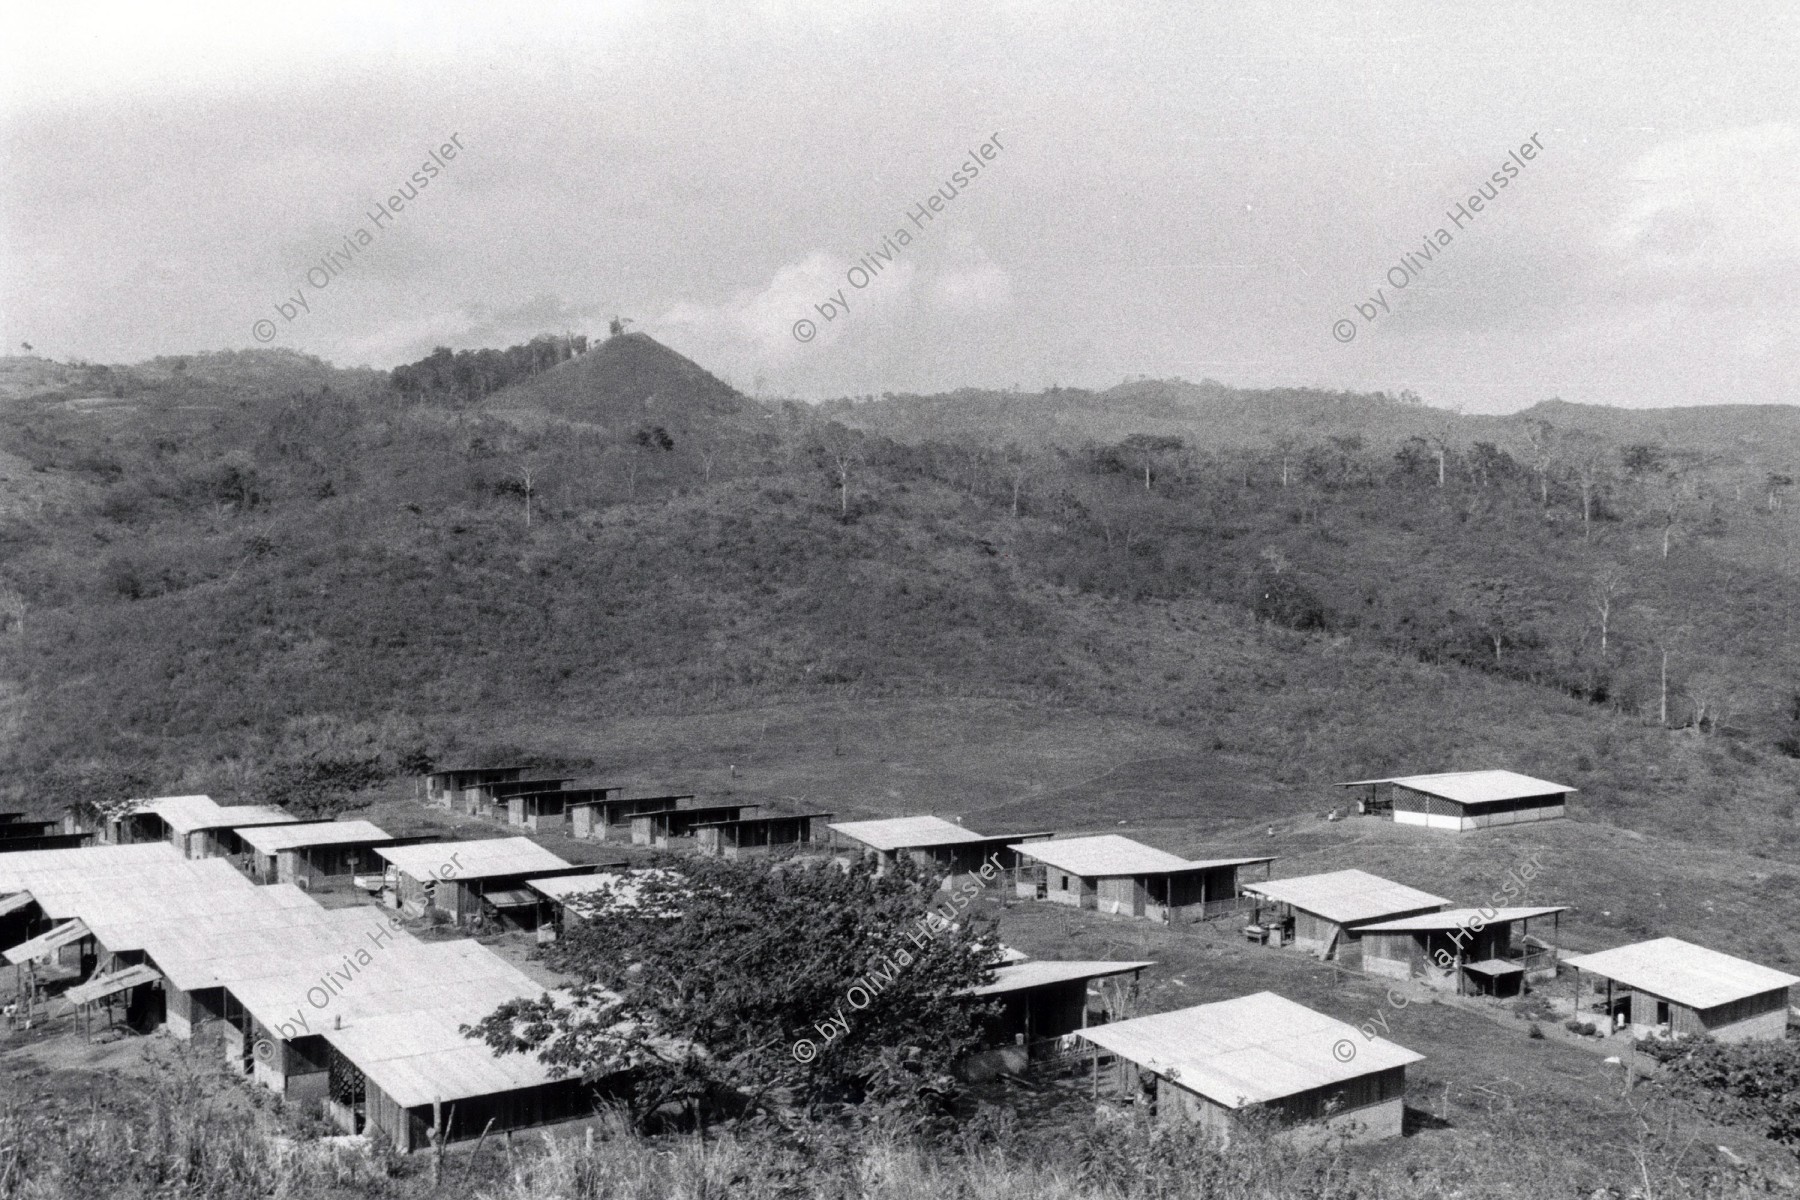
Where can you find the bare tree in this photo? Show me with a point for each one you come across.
(1589, 455)
(1285, 445)
(1777, 483)
(1541, 442)
(1503, 611)
(1606, 590)
(709, 458)
(1019, 467)
(841, 452)
(1669, 635)
(1712, 693)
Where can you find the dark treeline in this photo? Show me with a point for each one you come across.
(470, 375)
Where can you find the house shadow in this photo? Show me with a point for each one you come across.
(1417, 1120)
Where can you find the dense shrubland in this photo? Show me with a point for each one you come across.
(235, 561)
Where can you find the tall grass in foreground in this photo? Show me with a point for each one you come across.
(191, 1133)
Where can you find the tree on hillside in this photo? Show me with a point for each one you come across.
(840, 450)
(1669, 635)
(1606, 590)
(1590, 457)
(1542, 443)
(1502, 611)
(1777, 483)
(1019, 464)
(792, 986)
(1149, 455)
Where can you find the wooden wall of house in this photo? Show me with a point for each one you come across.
(1392, 955)
(1358, 1092)
(523, 1108)
(1176, 1105)
(385, 1114)
(1121, 895)
(1315, 934)
(1762, 1017)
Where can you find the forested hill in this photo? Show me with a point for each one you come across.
(253, 575)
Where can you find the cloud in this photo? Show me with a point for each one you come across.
(1721, 204)
(755, 327)
(977, 287)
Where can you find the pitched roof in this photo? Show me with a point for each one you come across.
(487, 858)
(1018, 976)
(102, 986)
(68, 933)
(1459, 918)
(586, 895)
(1473, 787)
(908, 833)
(395, 1005)
(1346, 897)
(190, 814)
(1249, 1050)
(1683, 972)
(272, 839)
(1110, 854)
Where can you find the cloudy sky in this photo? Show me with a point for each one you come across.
(1204, 190)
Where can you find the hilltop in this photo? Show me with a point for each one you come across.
(625, 383)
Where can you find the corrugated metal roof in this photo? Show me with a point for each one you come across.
(1683, 972)
(584, 895)
(1473, 787)
(295, 966)
(486, 859)
(1346, 897)
(1109, 854)
(908, 833)
(272, 839)
(102, 986)
(65, 934)
(1250, 1050)
(418, 1057)
(1017, 977)
(190, 814)
(1459, 918)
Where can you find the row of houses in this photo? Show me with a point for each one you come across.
(336, 1006)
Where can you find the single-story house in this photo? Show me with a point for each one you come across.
(494, 800)
(606, 815)
(445, 788)
(547, 809)
(613, 889)
(313, 853)
(1464, 800)
(1323, 913)
(1668, 987)
(1463, 949)
(1207, 1064)
(18, 835)
(464, 879)
(201, 828)
(932, 843)
(13, 826)
(337, 1006)
(1042, 1003)
(1114, 874)
(749, 837)
(664, 827)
